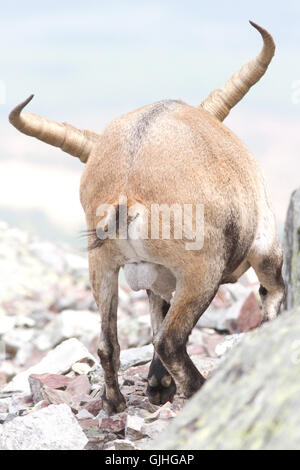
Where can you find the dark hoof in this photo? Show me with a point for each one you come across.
(114, 404)
(161, 390)
(195, 385)
(161, 386)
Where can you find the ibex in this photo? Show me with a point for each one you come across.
(171, 153)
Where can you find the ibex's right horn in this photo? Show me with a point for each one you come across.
(220, 102)
(71, 140)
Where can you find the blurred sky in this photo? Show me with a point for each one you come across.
(87, 62)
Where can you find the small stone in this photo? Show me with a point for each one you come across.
(134, 426)
(84, 414)
(124, 444)
(81, 368)
(38, 381)
(205, 365)
(3, 417)
(164, 412)
(94, 406)
(56, 397)
(115, 423)
(228, 343)
(154, 429)
(210, 343)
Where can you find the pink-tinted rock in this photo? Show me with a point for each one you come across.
(94, 406)
(222, 298)
(114, 424)
(56, 397)
(79, 386)
(164, 412)
(3, 379)
(250, 314)
(134, 426)
(52, 381)
(210, 342)
(139, 370)
(87, 423)
(196, 349)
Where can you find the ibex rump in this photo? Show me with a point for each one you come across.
(172, 153)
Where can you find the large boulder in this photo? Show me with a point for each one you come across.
(252, 401)
(291, 245)
(52, 428)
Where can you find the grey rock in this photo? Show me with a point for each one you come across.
(205, 365)
(6, 323)
(228, 343)
(135, 356)
(17, 338)
(51, 428)
(83, 325)
(291, 245)
(242, 315)
(253, 399)
(124, 444)
(133, 429)
(153, 430)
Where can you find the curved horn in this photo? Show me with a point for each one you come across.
(220, 102)
(71, 140)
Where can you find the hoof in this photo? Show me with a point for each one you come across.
(113, 405)
(194, 385)
(161, 390)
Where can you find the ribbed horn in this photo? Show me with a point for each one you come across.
(63, 135)
(220, 102)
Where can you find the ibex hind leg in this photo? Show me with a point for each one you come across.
(104, 280)
(161, 386)
(194, 293)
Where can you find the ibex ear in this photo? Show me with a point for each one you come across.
(220, 102)
(65, 136)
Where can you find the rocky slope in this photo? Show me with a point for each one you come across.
(50, 377)
(252, 401)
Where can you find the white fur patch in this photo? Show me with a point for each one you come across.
(140, 275)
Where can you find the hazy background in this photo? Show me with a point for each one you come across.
(87, 62)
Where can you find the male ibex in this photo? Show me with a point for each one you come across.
(172, 153)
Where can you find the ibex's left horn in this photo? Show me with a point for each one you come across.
(220, 102)
(71, 140)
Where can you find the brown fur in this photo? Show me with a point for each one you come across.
(189, 157)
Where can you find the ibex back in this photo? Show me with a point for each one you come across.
(175, 156)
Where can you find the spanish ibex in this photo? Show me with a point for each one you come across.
(172, 154)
